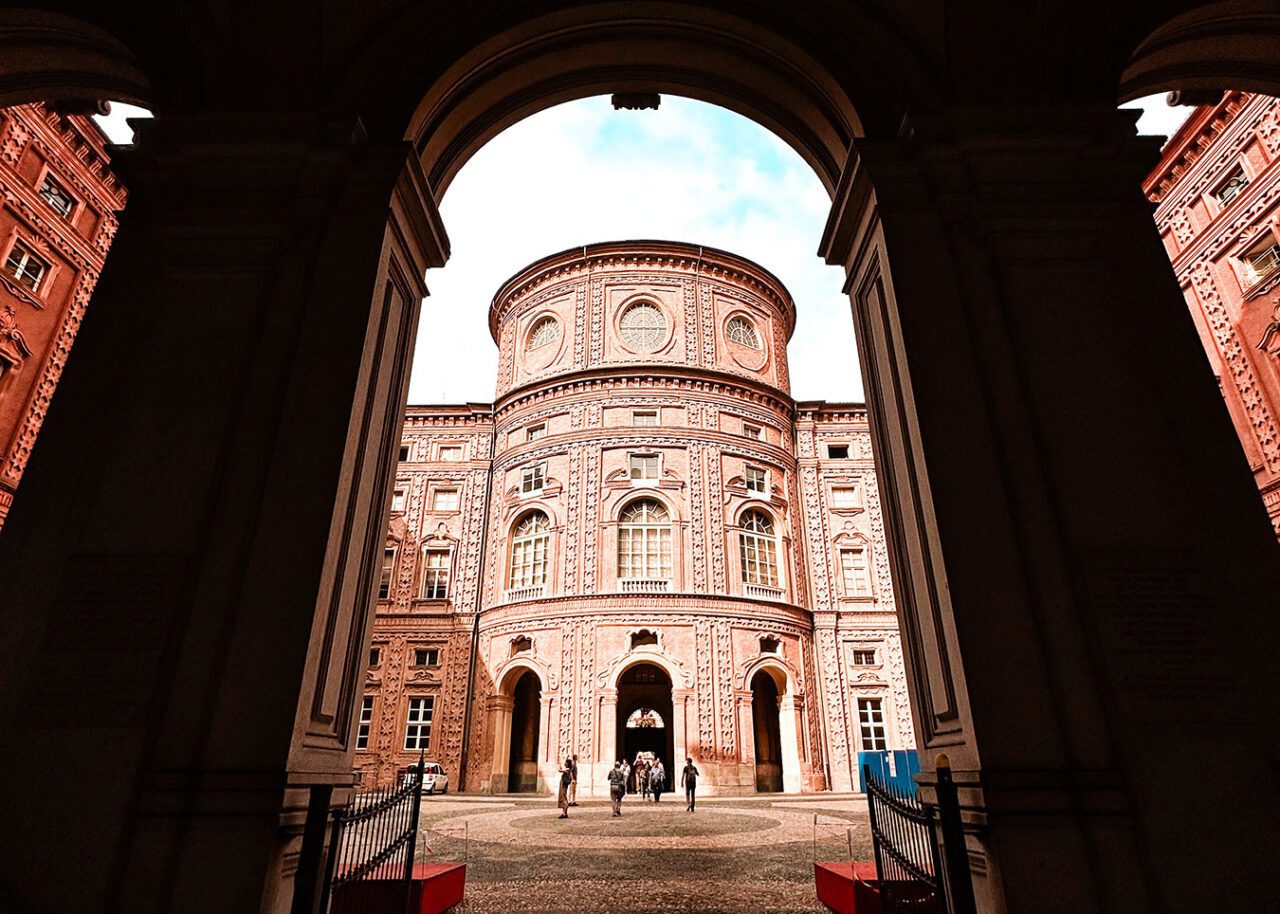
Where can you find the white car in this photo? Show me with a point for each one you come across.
(434, 780)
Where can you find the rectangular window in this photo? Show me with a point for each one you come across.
(397, 501)
(57, 197)
(426, 656)
(534, 432)
(838, 451)
(871, 723)
(844, 496)
(435, 574)
(1261, 262)
(752, 431)
(375, 656)
(25, 266)
(532, 478)
(388, 569)
(404, 453)
(645, 418)
(444, 500)
(1232, 188)
(417, 730)
(856, 572)
(366, 722)
(864, 657)
(757, 480)
(644, 466)
(451, 453)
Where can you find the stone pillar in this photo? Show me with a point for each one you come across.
(548, 771)
(607, 734)
(194, 547)
(790, 707)
(1076, 541)
(679, 711)
(746, 732)
(500, 708)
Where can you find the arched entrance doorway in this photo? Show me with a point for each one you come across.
(522, 760)
(768, 736)
(645, 714)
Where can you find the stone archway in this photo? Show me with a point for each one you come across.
(768, 738)
(526, 719)
(645, 687)
(1003, 206)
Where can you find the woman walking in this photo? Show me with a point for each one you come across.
(566, 778)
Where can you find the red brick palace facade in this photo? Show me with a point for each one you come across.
(57, 220)
(1218, 193)
(644, 544)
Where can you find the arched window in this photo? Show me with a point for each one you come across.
(741, 330)
(529, 551)
(643, 326)
(759, 550)
(644, 541)
(544, 332)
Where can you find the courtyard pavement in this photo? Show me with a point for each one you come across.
(746, 855)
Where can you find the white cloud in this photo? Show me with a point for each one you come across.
(581, 173)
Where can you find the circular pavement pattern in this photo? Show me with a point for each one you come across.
(660, 826)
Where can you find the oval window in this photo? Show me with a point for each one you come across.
(643, 327)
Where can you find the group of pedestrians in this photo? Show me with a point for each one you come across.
(645, 776)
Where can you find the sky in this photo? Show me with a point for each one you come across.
(582, 172)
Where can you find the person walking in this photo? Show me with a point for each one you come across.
(657, 780)
(573, 781)
(689, 780)
(566, 779)
(642, 777)
(626, 777)
(617, 787)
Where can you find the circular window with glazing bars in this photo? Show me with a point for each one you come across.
(643, 327)
(543, 333)
(740, 330)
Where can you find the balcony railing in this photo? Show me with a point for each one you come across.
(532, 592)
(644, 585)
(762, 591)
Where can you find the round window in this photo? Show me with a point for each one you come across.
(545, 332)
(643, 327)
(741, 330)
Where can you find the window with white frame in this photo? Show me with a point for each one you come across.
(365, 724)
(742, 331)
(1261, 262)
(529, 542)
(534, 432)
(426, 656)
(752, 431)
(644, 418)
(435, 574)
(388, 569)
(855, 571)
(864, 656)
(844, 496)
(871, 724)
(417, 730)
(643, 327)
(532, 478)
(757, 479)
(644, 541)
(397, 501)
(1231, 188)
(25, 266)
(644, 467)
(758, 550)
(57, 197)
(444, 500)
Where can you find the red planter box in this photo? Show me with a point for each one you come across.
(852, 888)
(435, 888)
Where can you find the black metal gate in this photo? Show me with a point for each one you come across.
(921, 860)
(374, 838)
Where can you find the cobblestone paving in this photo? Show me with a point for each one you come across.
(748, 855)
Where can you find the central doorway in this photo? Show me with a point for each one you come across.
(522, 767)
(644, 715)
